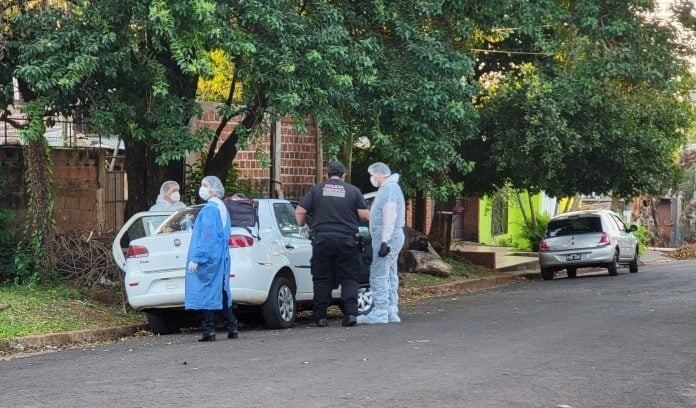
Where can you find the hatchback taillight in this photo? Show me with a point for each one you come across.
(137, 251)
(543, 246)
(240, 241)
(604, 239)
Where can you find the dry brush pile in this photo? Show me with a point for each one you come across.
(85, 260)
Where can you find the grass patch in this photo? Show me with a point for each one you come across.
(461, 270)
(40, 310)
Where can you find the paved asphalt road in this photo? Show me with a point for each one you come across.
(595, 341)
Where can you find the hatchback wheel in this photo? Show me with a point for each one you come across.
(572, 272)
(365, 301)
(163, 321)
(614, 265)
(546, 274)
(279, 309)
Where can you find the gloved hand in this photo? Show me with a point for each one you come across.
(383, 250)
(304, 231)
(192, 266)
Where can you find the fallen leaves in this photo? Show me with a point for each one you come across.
(687, 251)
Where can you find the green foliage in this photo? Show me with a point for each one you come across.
(532, 233)
(234, 184)
(505, 241)
(609, 89)
(40, 309)
(643, 237)
(8, 240)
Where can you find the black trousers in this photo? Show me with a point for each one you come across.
(227, 316)
(335, 260)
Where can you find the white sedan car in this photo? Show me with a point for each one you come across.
(272, 272)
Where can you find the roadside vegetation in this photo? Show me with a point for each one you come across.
(27, 311)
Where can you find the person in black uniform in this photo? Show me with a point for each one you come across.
(336, 208)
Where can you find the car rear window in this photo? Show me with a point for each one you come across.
(574, 226)
(182, 220)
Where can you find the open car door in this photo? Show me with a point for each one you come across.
(143, 224)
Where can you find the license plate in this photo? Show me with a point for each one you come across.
(172, 285)
(573, 257)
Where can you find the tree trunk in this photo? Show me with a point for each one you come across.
(532, 214)
(426, 263)
(219, 163)
(419, 215)
(521, 204)
(39, 219)
(145, 177)
(348, 157)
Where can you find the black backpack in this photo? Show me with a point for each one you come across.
(244, 212)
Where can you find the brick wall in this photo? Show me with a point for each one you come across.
(297, 155)
(75, 186)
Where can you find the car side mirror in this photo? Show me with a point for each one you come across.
(632, 228)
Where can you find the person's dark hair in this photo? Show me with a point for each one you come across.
(336, 169)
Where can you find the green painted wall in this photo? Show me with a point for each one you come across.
(515, 218)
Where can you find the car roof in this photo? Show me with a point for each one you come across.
(582, 213)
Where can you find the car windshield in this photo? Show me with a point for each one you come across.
(574, 226)
(182, 220)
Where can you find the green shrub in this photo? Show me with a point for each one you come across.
(531, 235)
(643, 237)
(505, 241)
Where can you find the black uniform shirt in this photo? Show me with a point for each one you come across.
(334, 206)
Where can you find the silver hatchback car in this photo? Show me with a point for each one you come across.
(587, 239)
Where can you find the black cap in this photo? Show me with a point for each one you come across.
(336, 168)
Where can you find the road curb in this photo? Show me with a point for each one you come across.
(69, 338)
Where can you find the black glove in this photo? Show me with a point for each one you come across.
(383, 250)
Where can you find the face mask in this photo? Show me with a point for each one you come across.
(373, 180)
(175, 196)
(204, 193)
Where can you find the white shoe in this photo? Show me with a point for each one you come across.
(374, 317)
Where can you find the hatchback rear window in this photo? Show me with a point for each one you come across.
(573, 226)
(182, 220)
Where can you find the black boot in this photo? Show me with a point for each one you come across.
(349, 321)
(207, 337)
(233, 334)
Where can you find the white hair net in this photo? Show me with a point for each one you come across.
(379, 169)
(168, 186)
(215, 186)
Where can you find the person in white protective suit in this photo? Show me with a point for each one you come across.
(387, 220)
(169, 199)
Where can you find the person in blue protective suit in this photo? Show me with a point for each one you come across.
(387, 220)
(207, 285)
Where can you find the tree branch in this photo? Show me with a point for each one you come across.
(225, 120)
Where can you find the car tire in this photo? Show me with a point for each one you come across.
(546, 274)
(163, 322)
(633, 266)
(572, 272)
(279, 311)
(613, 267)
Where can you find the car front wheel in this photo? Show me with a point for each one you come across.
(279, 309)
(365, 301)
(633, 266)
